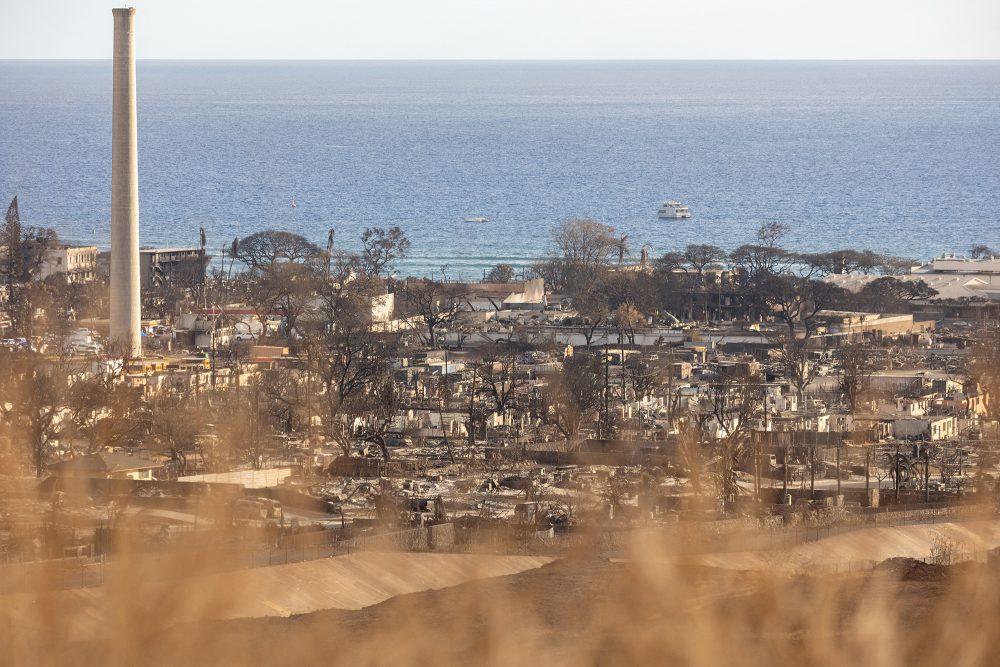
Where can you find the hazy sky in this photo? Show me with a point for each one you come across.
(320, 29)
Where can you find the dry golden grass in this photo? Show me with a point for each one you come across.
(648, 608)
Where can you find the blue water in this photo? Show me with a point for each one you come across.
(896, 157)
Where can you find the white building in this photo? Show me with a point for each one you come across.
(931, 428)
(952, 277)
(78, 264)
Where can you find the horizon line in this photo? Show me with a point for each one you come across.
(518, 60)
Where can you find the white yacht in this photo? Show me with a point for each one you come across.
(478, 218)
(673, 209)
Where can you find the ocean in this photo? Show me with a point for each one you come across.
(898, 157)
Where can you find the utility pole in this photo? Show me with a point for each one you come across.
(211, 342)
(927, 473)
(607, 395)
(203, 269)
(329, 250)
(784, 485)
(309, 406)
(670, 389)
(812, 471)
(258, 457)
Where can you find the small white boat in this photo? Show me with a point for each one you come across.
(673, 209)
(294, 205)
(479, 218)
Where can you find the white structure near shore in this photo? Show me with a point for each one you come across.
(952, 277)
(77, 264)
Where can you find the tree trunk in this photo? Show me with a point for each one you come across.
(838, 470)
(380, 441)
(812, 472)
(756, 471)
(344, 443)
(37, 447)
(589, 335)
(895, 474)
(451, 452)
(784, 484)
(868, 469)
(444, 432)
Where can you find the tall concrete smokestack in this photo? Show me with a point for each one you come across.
(126, 314)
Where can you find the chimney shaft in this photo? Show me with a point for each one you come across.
(126, 315)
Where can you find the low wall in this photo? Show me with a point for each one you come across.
(597, 458)
(427, 538)
(439, 537)
(133, 487)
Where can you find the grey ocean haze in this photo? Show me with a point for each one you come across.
(902, 157)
